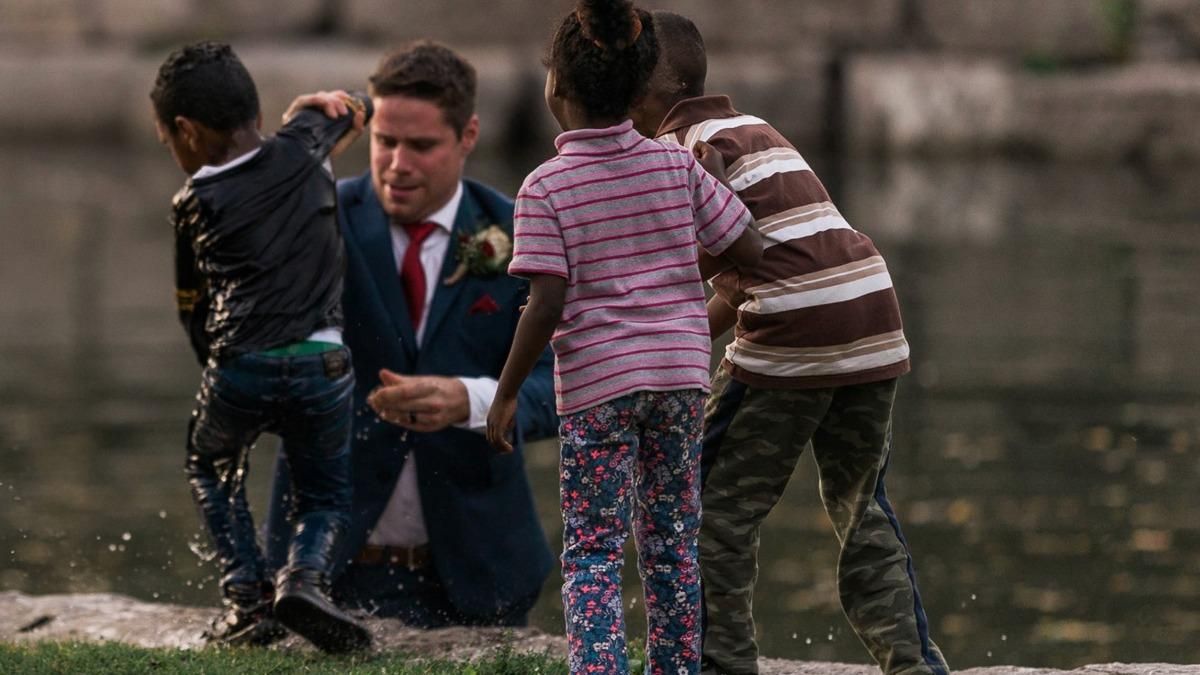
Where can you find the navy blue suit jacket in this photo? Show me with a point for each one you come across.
(488, 546)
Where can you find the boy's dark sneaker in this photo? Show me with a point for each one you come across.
(245, 627)
(303, 606)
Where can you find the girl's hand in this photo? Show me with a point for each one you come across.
(500, 423)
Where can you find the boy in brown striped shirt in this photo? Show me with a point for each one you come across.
(817, 348)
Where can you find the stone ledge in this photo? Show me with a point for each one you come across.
(104, 95)
(941, 105)
(103, 617)
(1069, 30)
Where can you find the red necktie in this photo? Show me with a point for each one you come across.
(412, 275)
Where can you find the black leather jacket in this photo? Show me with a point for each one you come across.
(259, 258)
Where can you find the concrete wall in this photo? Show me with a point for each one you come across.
(1109, 80)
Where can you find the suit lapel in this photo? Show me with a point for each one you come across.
(466, 222)
(375, 236)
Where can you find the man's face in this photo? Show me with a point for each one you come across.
(416, 157)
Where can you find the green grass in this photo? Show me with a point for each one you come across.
(51, 658)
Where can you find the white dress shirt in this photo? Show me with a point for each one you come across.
(402, 523)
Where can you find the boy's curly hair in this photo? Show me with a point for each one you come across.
(603, 54)
(430, 71)
(205, 81)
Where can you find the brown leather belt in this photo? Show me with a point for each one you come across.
(414, 557)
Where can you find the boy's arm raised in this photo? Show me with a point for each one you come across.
(332, 120)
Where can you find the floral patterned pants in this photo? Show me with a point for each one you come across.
(633, 458)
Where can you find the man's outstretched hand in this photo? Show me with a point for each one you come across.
(424, 403)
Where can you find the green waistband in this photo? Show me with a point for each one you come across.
(301, 348)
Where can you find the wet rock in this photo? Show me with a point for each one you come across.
(105, 617)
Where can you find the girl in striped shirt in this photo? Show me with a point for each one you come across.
(607, 234)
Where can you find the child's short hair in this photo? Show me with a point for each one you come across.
(603, 55)
(683, 51)
(429, 71)
(206, 82)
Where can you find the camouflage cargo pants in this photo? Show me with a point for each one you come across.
(753, 439)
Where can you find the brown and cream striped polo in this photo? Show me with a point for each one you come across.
(819, 310)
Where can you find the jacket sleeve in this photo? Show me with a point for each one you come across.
(191, 292)
(319, 133)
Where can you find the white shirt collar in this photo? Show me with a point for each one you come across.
(444, 217)
(207, 170)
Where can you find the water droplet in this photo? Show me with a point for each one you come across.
(162, 514)
(973, 596)
(808, 641)
(989, 654)
(1004, 638)
(830, 636)
(126, 536)
(112, 547)
(202, 552)
(794, 636)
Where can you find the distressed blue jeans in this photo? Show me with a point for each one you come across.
(306, 400)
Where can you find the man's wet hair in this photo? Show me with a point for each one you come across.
(682, 50)
(602, 56)
(429, 71)
(206, 82)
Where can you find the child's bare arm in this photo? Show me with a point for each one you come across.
(747, 250)
(721, 317)
(710, 265)
(547, 295)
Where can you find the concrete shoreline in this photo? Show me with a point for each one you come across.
(910, 104)
(103, 617)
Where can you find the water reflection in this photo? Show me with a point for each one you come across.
(1046, 443)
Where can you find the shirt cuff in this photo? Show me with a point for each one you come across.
(481, 391)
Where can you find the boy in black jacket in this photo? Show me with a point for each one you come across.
(259, 265)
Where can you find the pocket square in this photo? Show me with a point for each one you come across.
(484, 305)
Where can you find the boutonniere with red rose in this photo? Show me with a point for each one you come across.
(487, 251)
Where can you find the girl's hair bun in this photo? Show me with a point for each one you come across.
(611, 24)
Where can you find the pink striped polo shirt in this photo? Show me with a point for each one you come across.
(618, 216)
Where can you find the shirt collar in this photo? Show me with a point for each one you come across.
(593, 141)
(206, 170)
(695, 110)
(445, 216)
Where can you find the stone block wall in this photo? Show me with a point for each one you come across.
(1102, 79)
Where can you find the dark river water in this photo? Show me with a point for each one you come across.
(1047, 443)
